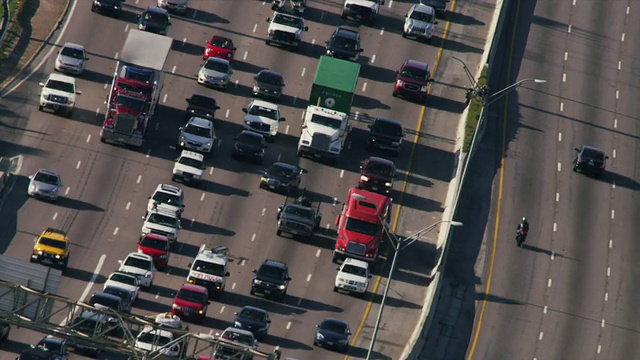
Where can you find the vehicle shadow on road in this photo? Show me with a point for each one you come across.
(445, 104)
(285, 343)
(82, 275)
(75, 204)
(208, 229)
(184, 249)
(96, 77)
(621, 181)
(498, 299)
(333, 19)
(369, 103)
(379, 74)
(177, 271)
(13, 346)
(460, 47)
(546, 252)
(187, 47)
(361, 353)
(11, 203)
(241, 300)
(221, 189)
(418, 202)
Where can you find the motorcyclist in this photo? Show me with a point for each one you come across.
(522, 230)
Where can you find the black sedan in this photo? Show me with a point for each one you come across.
(332, 334)
(282, 177)
(49, 348)
(202, 106)
(249, 145)
(253, 319)
(268, 84)
(590, 160)
(107, 7)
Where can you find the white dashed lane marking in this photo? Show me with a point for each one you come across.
(138, 179)
(253, 237)
(88, 137)
(303, 71)
(559, 167)
(128, 205)
(341, 173)
(55, 215)
(202, 196)
(549, 283)
(66, 192)
(255, 27)
(78, 165)
(373, 58)
(308, 277)
(559, 137)
(115, 231)
(318, 253)
(264, 210)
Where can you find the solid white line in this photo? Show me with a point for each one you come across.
(139, 178)
(94, 276)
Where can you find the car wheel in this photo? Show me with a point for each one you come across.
(334, 258)
(267, 42)
(395, 94)
(252, 292)
(404, 35)
(278, 232)
(40, 108)
(335, 289)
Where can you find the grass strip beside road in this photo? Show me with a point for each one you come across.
(473, 115)
(15, 27)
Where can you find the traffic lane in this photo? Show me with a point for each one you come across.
(20, 340)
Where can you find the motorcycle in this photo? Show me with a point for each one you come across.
(521, 236)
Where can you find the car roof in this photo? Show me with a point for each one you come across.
(140, 256)
(416, 64)
(62, 78)
(251, 133)
(264, 104)
(49, 172)
(356, 262)
(285, 165)
(198, 121)
(107, 295)
(55, 234)
(424, 9)
(155, 9)
(73, 46)
(122, 273)
(217, 59)
(156, 237)
(275, 263)
(194, 288)
(203, 96)
(168, 189)
(334, 320)
(192, 154)
(239, 331)
(389, 121)
(218, 37)
(379, 160)
(253, 308)
(348, 33)
(592, 148)
(53, 339)
(270, 72)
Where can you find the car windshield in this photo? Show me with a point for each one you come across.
(287, 20)
(121, 293)
(263, 111)
(202, 101)
(379, 169)
(334, 327)
(238, 337)
(58, 244)
(51, 345)
(361, 226)
(152, 337)
(143, 90)
(196, 130)
(159, 19)
(192, 296)
(388, 128)
(592, 154)
(342, 42)
(153, 243)
(299, 211)
(355, 270)
(61, 86)
(122, 278)
(271, 271)
(418, 74)
(130, 102)
(221, 43)
(249, 139)
(138, 74)
(164, 220)
(282, 171)
(326, 121)
(72, 52)
(270, 78)
(215, 65)
(137, 263)
(421, 16)
(46, 178)
(209, 268)
(191, 162)
(253, 315)
(104, 301)
(166, 198)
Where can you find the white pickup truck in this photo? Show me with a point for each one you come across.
(285, 30)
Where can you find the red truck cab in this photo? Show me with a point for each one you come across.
(128, 112)
(360, 228)
(158, 247)
(191, 302)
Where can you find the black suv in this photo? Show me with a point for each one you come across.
(590, 160)
(282, 177)
(385, 134)
(249, 145)
(155, 20)
(268, 84)
(344, 44)
(271, 279)
(202, 106)
(108, 7)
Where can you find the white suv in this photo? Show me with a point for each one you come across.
(420, 21)
(141, 266)
(163, 221)
(353, 276)
(168, 196)
(197, 135)
(59, 94)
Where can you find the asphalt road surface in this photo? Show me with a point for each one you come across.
(570, 291)
(106, 187)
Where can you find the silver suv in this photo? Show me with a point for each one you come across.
(197, 135)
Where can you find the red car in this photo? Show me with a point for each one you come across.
(158, 247)
(413, 80)
(191, 302)
(220, 47)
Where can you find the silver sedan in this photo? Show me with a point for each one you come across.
(44, 184)
(215, 72)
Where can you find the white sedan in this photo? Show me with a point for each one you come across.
(124, 281)
(140, 265)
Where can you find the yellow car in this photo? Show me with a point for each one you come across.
(51, 248)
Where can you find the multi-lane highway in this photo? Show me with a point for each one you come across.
(106, 187)
(571, 291)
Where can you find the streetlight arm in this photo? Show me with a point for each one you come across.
(494, 97)
(418, 234)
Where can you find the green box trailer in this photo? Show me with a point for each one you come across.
(334, 84)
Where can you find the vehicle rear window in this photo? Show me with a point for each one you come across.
(203, 101)
(418, 74)
(192, 296)
(45, 241)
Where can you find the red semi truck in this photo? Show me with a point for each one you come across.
(360, 227)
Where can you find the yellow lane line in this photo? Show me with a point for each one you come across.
(500, 188)
(396, 218)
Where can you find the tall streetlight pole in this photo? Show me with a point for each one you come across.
(399, 245)
(497, 95)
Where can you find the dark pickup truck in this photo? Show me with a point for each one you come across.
(299, 218)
